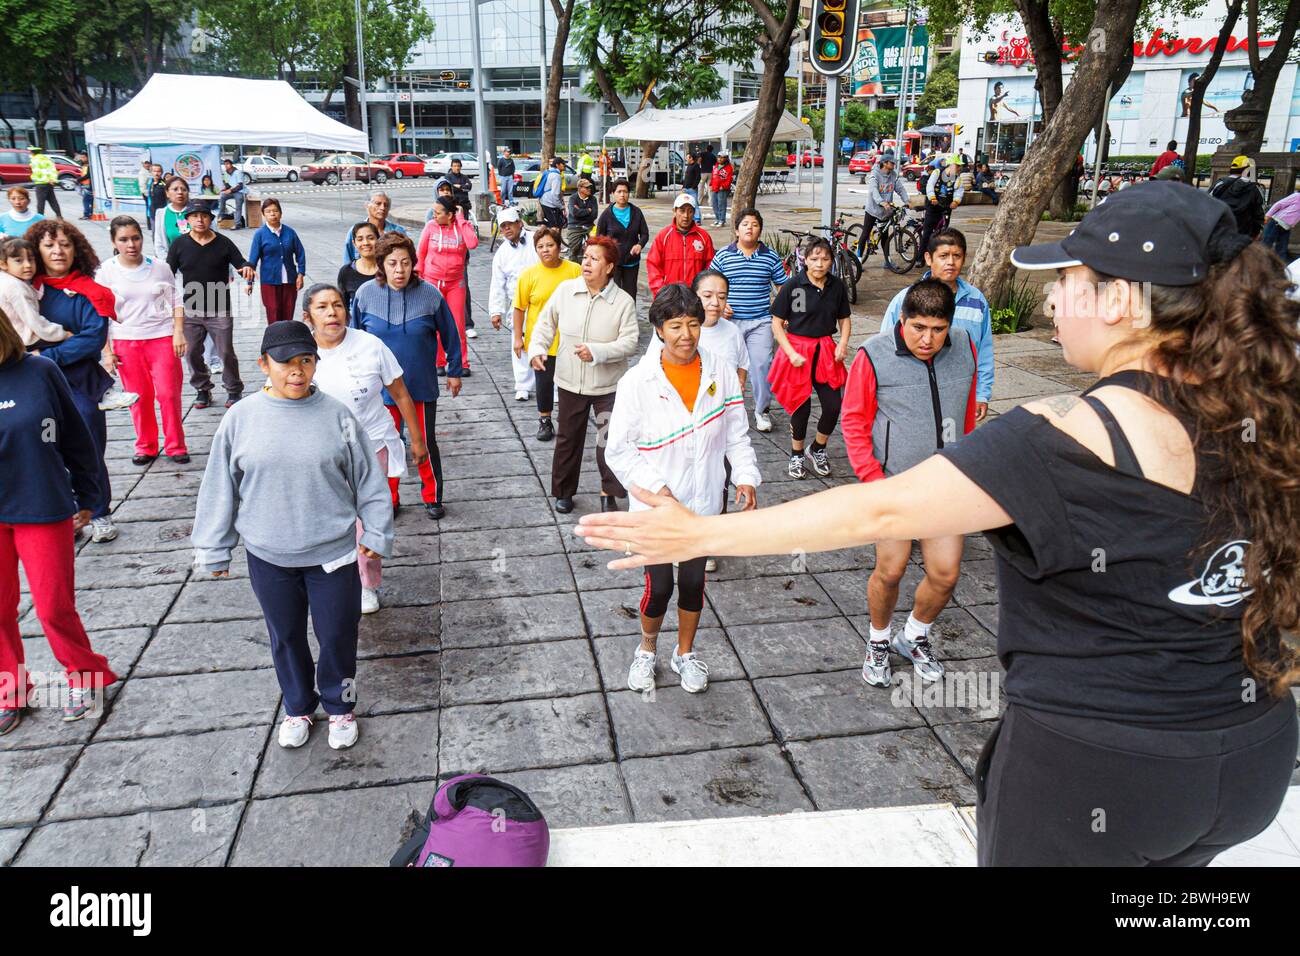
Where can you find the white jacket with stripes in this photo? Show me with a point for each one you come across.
(654, 442)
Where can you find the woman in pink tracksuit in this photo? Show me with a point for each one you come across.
(441, 259)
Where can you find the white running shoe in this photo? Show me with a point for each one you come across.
(796, 467)
(293, 731)
(214, 367)
(369, 600)
(821, 465)
(762, 422)
(920, 654)
(102, 529)
(641, 677)
(343, 731)
(693, 671)
(875, 669)
(115, 398)
(471, 333)
(521, 395)
(710, 564)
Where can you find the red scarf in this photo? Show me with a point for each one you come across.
(100, 296)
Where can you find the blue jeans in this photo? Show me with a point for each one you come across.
(1276, 237)
(507, 187)
(87, 201)
(758, 342)
(720, 199)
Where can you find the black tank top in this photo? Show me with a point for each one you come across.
(1110, 606)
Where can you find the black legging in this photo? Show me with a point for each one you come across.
(935, 213)
(868, 223)
(625, 277)
(830, 399)
(659, 587)
(546, 386)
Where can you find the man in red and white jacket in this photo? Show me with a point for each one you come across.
(681, 250)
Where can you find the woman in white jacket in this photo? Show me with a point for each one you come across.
(678, 415)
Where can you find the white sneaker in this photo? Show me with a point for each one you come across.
(102, 529)
(343, 731)
(641, 677)
(293, 731)
(521, 395)
(710, 564)
(920, 654)
(215, 367)
(369, 600)
(693, 671)
(762, 422)
(471, 333)
(875, 669)
(115, 398)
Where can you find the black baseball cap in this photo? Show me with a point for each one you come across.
(285, 339)
(1156, 231)
(196, 207)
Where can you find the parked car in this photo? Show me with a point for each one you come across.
(860, 164)
(526, 174)
(344, 167)
(262, 167)
(439, 164)
(914, 171)
(16, 167)
(809, 159)
(403, 165)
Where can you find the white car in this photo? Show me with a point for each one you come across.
(260, 167)
(439, 164)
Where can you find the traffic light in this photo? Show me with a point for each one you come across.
(401, 127)
(834, 40)
(956, 129)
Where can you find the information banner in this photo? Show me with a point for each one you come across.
(190, 163)
(121, 166)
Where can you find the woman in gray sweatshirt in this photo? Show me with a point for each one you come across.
(291, 471)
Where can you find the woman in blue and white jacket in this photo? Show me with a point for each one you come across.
(280, 259)
(678, 415)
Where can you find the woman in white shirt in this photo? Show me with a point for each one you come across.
(145, 345)
(356, 367)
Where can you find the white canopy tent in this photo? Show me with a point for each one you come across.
(175, 109)
(725, 123)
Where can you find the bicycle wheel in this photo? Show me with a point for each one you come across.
(496, 234)
(846, 264)
(853, 236)
(901, 249)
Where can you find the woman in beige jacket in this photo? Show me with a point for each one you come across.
(597, 335)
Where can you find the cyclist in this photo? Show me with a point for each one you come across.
(885, 183)
(943, 194)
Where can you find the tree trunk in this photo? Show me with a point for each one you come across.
(351, 97)
(1045, 39)
(13, 143)
(42, 113)
(1199, 87)
(1053, 154)
(1247, 120)
(551, 116)
(648, 149)
(774, 45)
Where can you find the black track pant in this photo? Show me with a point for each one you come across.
(546, 387)
(830, 400)
(659, 587)
(1064, 791)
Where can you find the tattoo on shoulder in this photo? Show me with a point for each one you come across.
(1060, 405)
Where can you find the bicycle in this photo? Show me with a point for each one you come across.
(495, 231)
(896, 236)
(843, 262)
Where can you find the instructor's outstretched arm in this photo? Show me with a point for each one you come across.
(928, 501)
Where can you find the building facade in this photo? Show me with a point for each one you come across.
(1000, 112)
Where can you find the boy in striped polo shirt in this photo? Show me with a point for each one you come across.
(752, 269)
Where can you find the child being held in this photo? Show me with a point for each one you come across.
(20, 300)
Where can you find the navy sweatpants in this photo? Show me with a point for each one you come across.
(287, 595)
(97, 422)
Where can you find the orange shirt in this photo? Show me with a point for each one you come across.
(685, 379)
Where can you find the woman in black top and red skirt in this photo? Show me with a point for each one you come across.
(1147, 537)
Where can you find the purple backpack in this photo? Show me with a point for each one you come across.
(478, 821)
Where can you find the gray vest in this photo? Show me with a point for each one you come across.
(920, 406)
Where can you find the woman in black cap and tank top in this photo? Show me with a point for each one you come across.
(1147, 540)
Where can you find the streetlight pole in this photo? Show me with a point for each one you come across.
(902, 88)
(541, 32)
(361, 78)
(480, 113)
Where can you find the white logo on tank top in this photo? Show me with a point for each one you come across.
(1223, 582)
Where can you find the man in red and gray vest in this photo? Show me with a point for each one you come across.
(911, 391)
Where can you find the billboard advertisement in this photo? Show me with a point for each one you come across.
(878, 66)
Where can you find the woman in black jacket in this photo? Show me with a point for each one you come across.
(624, 223)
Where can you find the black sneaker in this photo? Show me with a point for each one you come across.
(143, 459)
(180, 459)
(608, 503)
(821, 465)
(232, 399)
(545, 430)
(435, 511)
(442, 371)
(464, 373)
(564, 505)
(796, 466)
(202, 399)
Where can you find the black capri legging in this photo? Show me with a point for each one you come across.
(546, 387)
(830, 399)
(659, 587)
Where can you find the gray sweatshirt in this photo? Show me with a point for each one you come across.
(291, 478)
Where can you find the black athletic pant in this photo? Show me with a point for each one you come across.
(868, 223)
(1063, 791)
(571, 439)
(546, 386)
(831, 400)
(45, 194)
(626, 278)
(659, 587)
(934, 214)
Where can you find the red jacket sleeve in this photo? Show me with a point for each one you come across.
(970, 401)
(858, 417)
(708, 252)
(654, 264)
(422, 250)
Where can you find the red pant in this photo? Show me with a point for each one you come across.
(278, 301)
(150, 368)
(431, 471)
(454, 293)
(47, 556)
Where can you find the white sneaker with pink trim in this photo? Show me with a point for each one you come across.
(343, 731)
(294, 731)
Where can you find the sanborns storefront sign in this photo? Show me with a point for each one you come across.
(1015, 50)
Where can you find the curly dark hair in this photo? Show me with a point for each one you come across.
(390, 243)
(84, 259)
